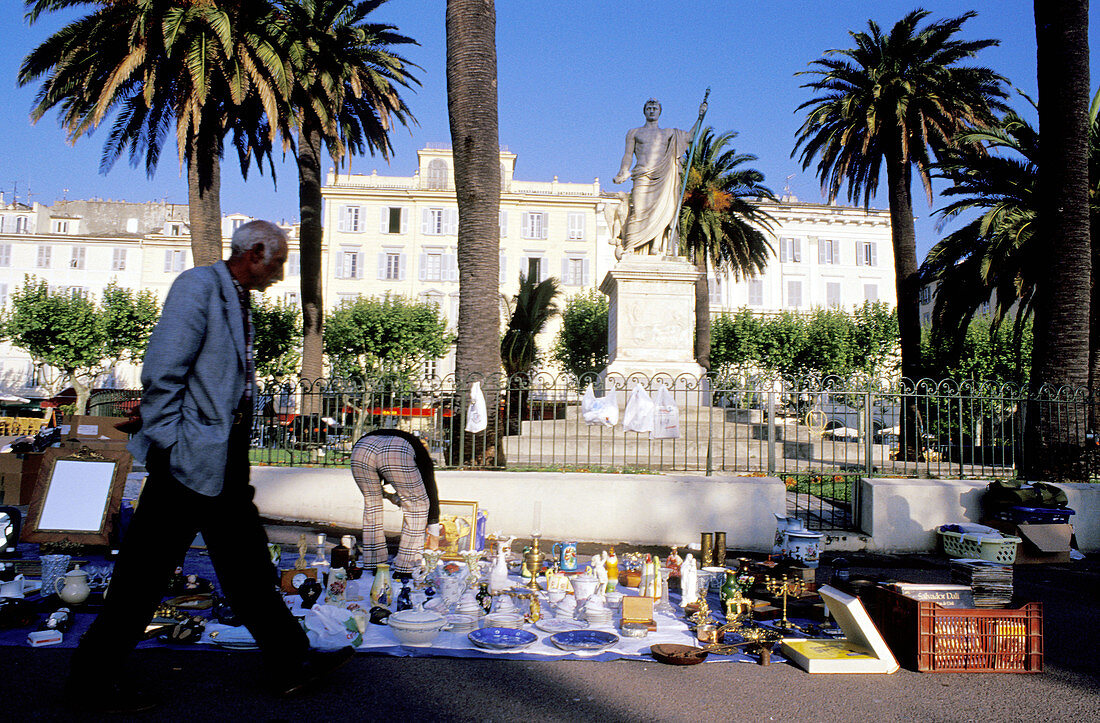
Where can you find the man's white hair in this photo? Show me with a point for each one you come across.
(256, 233)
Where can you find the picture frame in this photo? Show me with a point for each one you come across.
(77, 495)
(459, 521)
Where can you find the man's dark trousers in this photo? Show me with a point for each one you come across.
(164, 524)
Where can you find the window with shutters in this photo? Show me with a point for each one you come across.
(291, 298)
(866, 253)
(118, 260)
(826, 251)
(3, 294)
(76, 259)
(294, 264)
(794, 294)
(534, 225)
(60, 226)
(756, 292)
(534, 268)
(439, 221)
(790, 250)
(575, 271)
(348, 264)
(504, 224)
(393, 266)
(576, 226)
(870, 292)
(433, 266)
(5, 254)
(174, 260)
(714, 291)
(43, 257)
(393, 220)
(21, 225)
(832, 294)
(349, 219)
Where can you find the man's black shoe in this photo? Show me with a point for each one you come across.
(316, 666)
(110, 699)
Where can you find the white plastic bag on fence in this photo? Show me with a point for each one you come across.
(666, 415)
(330, 627)
(638, 416)
(476, 417)
(599, 410)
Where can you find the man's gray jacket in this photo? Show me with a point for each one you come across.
(193, 377)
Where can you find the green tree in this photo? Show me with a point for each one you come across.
(898, 99)
(720, 223)
(369, 337)
(207, 67)
(344, 97)
(735, 341)
(988, 352)
(277, 337)
(581, 346)
(75, 334)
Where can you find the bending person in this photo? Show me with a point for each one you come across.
(399, 458)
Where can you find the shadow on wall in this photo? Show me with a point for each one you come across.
(905, 533)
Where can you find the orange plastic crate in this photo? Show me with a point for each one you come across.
(935, 639)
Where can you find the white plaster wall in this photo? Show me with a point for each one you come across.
(901, 515)
(634, 509)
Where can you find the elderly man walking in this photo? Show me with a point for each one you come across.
(196, 408)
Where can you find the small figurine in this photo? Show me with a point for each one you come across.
(673, 562)
(611, 566)
(689, 578)
(300, 563)
(404, 598)
(600, 570)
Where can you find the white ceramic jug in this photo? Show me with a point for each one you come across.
(72, 587)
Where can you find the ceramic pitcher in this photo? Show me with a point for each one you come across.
(73, 586)
(566, 552)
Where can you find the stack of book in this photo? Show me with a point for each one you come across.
(955, 595)
(990, 582)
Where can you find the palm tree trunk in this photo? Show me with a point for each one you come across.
(903, 236)
(204, 204)
(1061, 357)
(702, 313)
(310, 239)
(472, 106)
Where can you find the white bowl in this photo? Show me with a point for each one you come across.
(416, 627)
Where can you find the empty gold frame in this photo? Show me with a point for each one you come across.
(77, 495)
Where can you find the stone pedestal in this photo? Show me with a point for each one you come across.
(651, 324)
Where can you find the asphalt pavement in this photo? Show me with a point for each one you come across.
(204, 684)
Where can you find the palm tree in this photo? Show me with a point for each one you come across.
(472, 107)
(344, 97)
(997, 254)
(1064, 300)
(204, 66)
(899, 99)
(529, 311)
(720, 223)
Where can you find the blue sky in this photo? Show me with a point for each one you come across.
(572, 79)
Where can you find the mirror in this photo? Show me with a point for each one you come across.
(11, 519)
(77, 495)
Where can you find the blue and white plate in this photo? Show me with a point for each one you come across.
(584, 639)
(501, 638)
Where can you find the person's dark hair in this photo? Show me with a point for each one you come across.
(423, 463)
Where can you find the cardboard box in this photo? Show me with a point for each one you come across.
(87, 427)
(44, 637)
(1042, 544)
(18, 476)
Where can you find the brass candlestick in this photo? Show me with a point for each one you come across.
(784, 588)
(532, 560)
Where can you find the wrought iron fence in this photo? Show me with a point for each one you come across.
(819, 435)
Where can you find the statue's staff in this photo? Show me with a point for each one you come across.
(687, 167)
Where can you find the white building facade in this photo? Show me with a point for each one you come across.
(398, 235)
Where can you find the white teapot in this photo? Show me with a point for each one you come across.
(72, 587)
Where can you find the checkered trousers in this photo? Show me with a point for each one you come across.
(383, 458)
